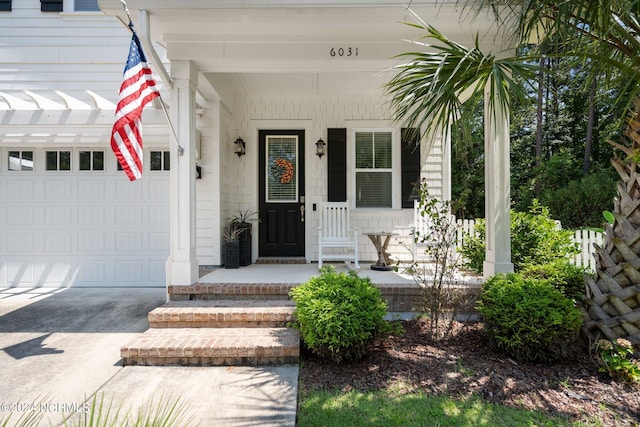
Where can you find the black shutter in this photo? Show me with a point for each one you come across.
(5, 5)
(337, 165)
(51, 5)
(410, 163)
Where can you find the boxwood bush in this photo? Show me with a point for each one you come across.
(535, 239)
(528, 319)
(562, 275)
(339, 314)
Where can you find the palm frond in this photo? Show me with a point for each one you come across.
(429, 90)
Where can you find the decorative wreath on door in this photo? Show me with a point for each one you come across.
(282, 170)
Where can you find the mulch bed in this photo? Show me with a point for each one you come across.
(466, 365)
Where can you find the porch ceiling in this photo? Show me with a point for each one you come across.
(260, 46)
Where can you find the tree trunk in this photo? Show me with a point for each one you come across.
(612, 304)
(590, 125)
(539, 125)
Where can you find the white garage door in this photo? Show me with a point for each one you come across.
(68, 217)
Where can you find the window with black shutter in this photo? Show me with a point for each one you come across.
(410, 161)
(5, 5)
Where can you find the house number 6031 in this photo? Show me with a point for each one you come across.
(343, 51)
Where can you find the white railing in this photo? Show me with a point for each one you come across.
(585, 239)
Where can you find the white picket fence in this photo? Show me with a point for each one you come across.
(585, 239)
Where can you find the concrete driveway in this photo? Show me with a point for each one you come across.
(62, 346)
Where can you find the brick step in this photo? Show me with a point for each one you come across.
(213, 347)
(231, 291)
(223, 314)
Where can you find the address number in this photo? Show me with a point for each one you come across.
(343, 51)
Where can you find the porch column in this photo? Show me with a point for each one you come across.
(497, 172)
(182, 265)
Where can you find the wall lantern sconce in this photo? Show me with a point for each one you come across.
(198, 172)
(320, 148)
(240, 147)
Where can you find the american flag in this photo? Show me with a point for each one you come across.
(137, 90)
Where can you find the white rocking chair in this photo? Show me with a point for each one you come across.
(335, 232)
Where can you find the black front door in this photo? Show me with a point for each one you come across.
(281, 170)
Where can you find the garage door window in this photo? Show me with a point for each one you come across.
(91, 160)
(20, 160)
(58, 161)
(160, 161)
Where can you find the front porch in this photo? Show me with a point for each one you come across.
(242, 316)
(268, 280)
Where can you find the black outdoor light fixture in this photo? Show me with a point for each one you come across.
(240, 147)
(320, 148)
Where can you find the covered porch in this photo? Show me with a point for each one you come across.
(281, 76)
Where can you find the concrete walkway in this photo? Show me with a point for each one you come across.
(62, 346)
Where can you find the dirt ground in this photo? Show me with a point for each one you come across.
(466, 365)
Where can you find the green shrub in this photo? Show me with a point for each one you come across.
(562, 275)
(580, 203)
(528, 319)
(535, 239)
(339, 314)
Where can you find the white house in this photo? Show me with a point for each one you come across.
(278, 75)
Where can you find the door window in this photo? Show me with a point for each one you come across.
(282, 169)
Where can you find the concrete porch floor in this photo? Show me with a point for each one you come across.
(301, 273)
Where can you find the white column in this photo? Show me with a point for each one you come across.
(182, 265)
(497, 191)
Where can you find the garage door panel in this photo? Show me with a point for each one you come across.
(128, 242)
(157, 271)
(158, 242)
(158, 214)
(58, 241)
(20, 242)
(129, 190)
(158, 190)
(58, 189)
(91, 242)
(90, 189)
(91, 272)
(54, 274)
(128, 271)
(21, 189)
(58, 215)
(128, 215)
(19, 272)
(91, 215)
(21, 215)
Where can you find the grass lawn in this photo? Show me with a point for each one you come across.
(389, 408)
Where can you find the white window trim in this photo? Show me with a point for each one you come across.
(396, 165)
(58, 150)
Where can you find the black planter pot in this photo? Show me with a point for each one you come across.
(245, 243)
(232, 254)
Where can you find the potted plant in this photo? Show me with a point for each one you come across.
(242, 221)
(231, 236)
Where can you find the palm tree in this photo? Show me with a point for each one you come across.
(603, 35)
